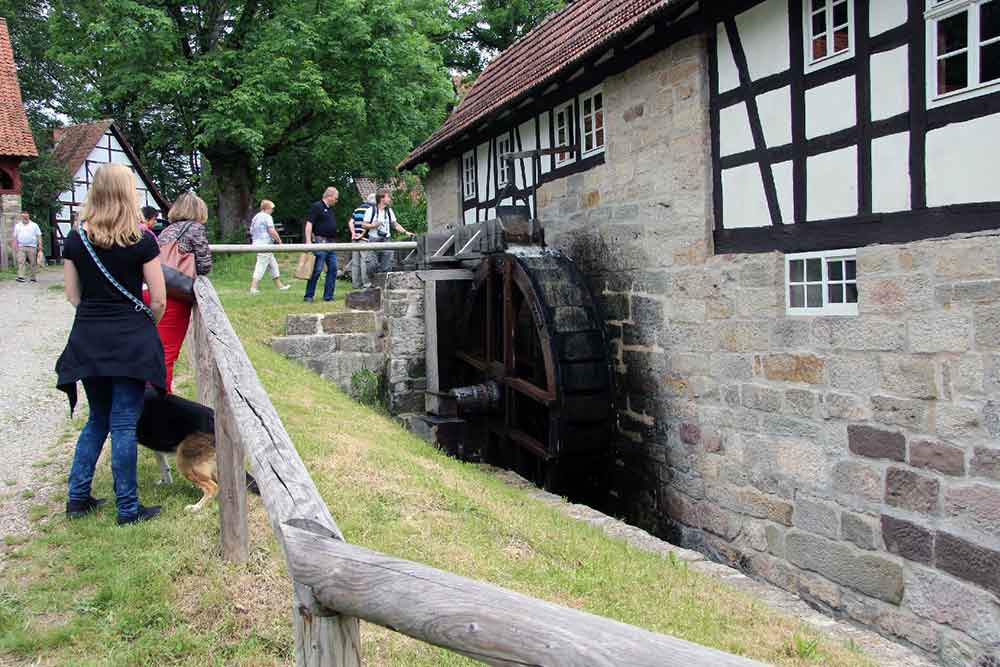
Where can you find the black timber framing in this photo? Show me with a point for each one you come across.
(865, 228)
(856, 232)
(756, 127)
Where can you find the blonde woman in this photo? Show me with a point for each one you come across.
(113, 346)
(263, 233)
(187, 227)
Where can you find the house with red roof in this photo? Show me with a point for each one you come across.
(16, 141)
(82, 149)
(788, 213)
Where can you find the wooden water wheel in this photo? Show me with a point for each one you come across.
(536, 371)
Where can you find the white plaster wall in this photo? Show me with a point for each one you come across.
(891, 173)
(786, 192)
(526, 133)
(470, 216)
(543, 131)
(830, 108)
(744, 203)
(776, 116)
(764, 34)
(832, 184)
(484, 171)
(961, 162)
(729, 76)
(890, 83)
(734, 130)
(885, 15)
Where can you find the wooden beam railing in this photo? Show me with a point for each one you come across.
(336, 583)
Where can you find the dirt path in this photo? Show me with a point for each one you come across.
(34, 322)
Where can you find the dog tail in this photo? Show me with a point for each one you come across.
(252, 485)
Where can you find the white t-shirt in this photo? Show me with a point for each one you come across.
(385, 218)
(27, 234)
(259, 226)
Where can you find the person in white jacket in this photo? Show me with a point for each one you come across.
(27, 247)
(263, 233)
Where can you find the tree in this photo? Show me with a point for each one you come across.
(341, 83)
(483, 28)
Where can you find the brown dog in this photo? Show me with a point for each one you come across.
(171, 424)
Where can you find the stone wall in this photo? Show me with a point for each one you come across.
(441, 186)
(10, 211)
(854, 460)
(406, 346)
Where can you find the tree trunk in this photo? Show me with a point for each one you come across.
(236, 180)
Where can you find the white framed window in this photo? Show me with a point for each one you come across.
(821, 283)
(564, 132)
(829, 32)
(469, 175)
(592, 131)
(963, 49)
(503, 170)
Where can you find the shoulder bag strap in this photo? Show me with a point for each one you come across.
(140, 307)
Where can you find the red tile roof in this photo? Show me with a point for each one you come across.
(74, 143)
(559, 42)
(15, 135)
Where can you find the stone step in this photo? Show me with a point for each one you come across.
(339, 367)
(305, 347)
(351, 321)
(364, 299)
(344, 322)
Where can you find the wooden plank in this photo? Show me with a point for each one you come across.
(485, 622)
(229, 457)
(287, 490)
(445, 274)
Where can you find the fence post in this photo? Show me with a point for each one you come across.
(229, 455)
(323, 638)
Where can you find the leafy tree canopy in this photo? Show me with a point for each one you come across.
(344, 86)
(483, 28)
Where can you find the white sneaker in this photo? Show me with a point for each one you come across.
(285, 288)
(254, 291)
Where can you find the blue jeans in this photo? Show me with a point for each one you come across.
(115, 406)
(329, 259)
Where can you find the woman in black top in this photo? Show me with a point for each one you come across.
(113, 346)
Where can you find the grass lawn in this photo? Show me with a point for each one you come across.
(89, 593)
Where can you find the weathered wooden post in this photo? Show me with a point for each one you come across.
(229, 455)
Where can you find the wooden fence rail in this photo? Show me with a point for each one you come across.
(336, 583)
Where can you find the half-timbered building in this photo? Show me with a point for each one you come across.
(82, 149)
(787, 212)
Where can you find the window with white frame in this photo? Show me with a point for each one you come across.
(469, 175)
(592, 122)
(828, 31)
(503, 167)
(822, 283)
(564, 132)
(963, 48)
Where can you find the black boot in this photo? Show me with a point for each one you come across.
(77, 509)
(145, 514)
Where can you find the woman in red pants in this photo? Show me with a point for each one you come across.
(187, 227)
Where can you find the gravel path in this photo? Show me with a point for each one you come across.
(34, 323)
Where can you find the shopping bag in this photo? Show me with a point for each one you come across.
(304, 270)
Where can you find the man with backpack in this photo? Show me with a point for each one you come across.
(360, 260)
(379, 222)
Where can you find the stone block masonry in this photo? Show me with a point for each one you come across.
(390, 342)
(853, 459)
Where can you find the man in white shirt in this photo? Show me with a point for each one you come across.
(27, 243)
(263, 233)
(379, 222)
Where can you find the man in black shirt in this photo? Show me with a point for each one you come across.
(321, 227)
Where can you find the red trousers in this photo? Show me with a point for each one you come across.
(173, 328)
